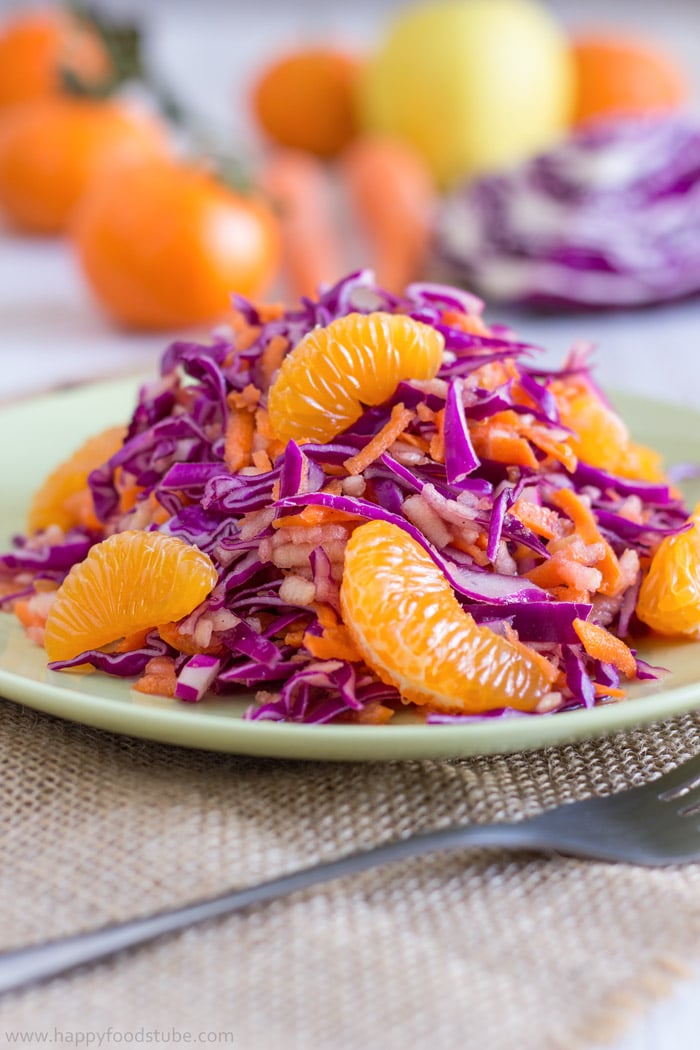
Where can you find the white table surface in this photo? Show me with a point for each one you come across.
(51, 334)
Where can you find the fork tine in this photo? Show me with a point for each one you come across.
(679, 781)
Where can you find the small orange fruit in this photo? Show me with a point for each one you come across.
(130, 582)
(356, 360)
(306, 100)
(619, 76)
(406, 621)
(51, 148)
(64, 497)
(669, 598)
(36, 46)
(163, 244)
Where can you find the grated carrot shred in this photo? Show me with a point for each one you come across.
(334, 644)
(325, 615)
(382, 441)
(504, 448)
(416, 441)
(474, 550)
(185, 643)
(335, 641)
(24, 614)
(261, 460)
(270, 311)
(541, 520)
(129, 491)
(159, 514)
(559, 450)
(470, 323)
(315, 515)
(248, 398)
(373, 714)
(238, 441)
(272, 357)
(600, 644)
(264, 437)
(437, 441)
(609, 690)
(159, 678)
(561, 569)
(156, 684)
(246, 336)
(587, 528)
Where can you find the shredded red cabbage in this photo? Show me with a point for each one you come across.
(255, 628)
(608, 218)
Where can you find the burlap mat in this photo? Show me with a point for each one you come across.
(488, 951)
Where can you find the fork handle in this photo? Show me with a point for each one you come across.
(23, 966)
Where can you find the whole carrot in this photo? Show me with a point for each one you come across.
(298, 185)
(392, 193)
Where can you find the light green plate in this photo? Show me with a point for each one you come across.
(38, 434)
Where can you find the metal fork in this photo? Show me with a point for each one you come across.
(655, 824)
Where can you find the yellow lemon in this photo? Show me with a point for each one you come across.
(475, 85)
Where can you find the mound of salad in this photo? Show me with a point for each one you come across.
(521, 483)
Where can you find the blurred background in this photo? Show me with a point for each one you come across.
(216, 48)
(601, 241)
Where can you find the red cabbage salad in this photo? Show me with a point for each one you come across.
(507, 475)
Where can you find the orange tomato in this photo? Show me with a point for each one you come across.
(306, 100)
(35, 46)
(621, 76)
(163, 244)
(52, 147)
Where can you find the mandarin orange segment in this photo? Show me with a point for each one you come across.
(669, 598)
(600, 437)
(58, 501)
(406, 621)
(130, 582)
(599, 434)
(640, 462)
(355, 361)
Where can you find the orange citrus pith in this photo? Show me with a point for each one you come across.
(669, 598)
(413, 633)
(130, 582)
(356, 360)
(63, 499)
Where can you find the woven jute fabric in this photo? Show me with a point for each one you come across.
(483, 950)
